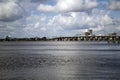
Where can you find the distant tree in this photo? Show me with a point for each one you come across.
(7, 38)
(44, 38)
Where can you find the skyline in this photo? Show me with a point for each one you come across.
(31, 18)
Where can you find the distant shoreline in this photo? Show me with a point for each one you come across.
(113, 39)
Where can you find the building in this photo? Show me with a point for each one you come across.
(8, 38)
(89, 32)
(112, 34)
(86, 34)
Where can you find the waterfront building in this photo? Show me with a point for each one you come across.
(86, 34)
(112, 34)
(8, 38)
(89, 32)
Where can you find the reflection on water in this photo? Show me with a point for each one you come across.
(59, 61)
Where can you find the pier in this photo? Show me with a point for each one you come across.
(109, 39)
(89, 36)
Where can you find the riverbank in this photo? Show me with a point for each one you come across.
(109, 39)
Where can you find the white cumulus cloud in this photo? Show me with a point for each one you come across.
(69, 23)
(80, 20)
(69, 6)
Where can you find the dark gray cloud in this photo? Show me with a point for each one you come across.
(11, 18)
(114, 5)
(8, 0)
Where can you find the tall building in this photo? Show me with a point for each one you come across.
(86, 34)
(90, 31)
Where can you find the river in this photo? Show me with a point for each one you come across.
(59, 61)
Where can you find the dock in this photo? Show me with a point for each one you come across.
(109, 39)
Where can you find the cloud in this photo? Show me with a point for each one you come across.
(39, 1)
(80, 20)
(114, 5)
(10, 11)
(68, 23)
(19, 18)
(69, 6)
(23, 0)
(7, 0)
(35, 24)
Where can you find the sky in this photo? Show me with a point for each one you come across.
(53, 18)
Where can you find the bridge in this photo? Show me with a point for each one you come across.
(114, 39)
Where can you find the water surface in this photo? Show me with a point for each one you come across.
(59, 61)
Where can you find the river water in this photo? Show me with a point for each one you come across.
(59, 61)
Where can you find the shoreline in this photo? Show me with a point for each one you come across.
(109, 39)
